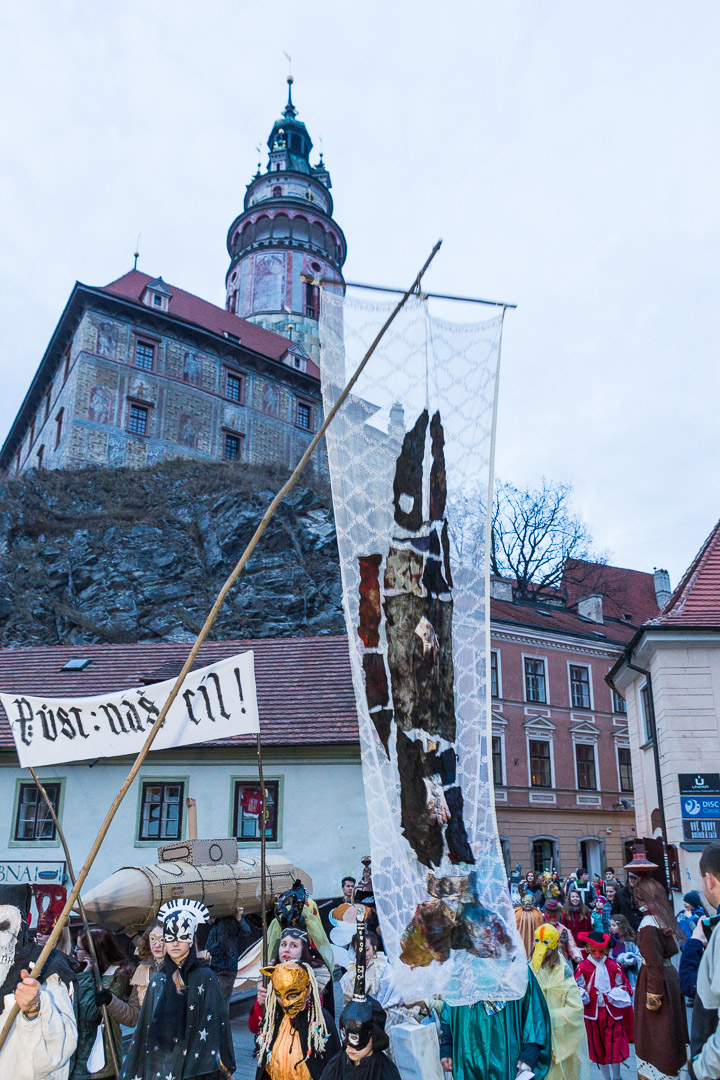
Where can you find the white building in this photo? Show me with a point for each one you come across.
(310, 751)
(670, 677)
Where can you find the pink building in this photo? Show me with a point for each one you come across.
(561, 754)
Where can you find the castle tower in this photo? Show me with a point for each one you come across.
(285, 233)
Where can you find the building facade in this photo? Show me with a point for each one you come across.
(139, 371)
(670, 676)
(564, 785)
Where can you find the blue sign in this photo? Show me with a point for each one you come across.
(696, 808)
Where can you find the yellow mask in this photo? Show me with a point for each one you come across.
(291, 983)
(546, 937)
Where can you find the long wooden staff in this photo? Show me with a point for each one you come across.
(263, 847)
(160, 719)
(91, 944)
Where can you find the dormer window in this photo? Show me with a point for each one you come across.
(157, 295)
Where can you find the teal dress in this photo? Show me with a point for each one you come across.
(486, 1044)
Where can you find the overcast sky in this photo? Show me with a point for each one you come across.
(566, 152)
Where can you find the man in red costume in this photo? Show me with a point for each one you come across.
(608, 1005)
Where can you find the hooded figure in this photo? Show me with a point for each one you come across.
(183, 1029)
(44, 1036)
(562, 995)
(607, 999)
(362, 1030)
(527, 919)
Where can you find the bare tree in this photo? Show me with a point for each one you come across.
(534, 533)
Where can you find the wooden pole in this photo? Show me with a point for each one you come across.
(207, 625)
(192, 833)
(91, 944)
(263, 844)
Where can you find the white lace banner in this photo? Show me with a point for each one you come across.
(410, 462)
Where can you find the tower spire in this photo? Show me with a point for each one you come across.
(290, 110)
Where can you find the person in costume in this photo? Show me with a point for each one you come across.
(183, 1029)
(117, 994)
(623, 948)
(567, 947)
(362, 1029)
(43, 1037)
(297, 1036)
(293, 946)
(494, 1040)
(661, 1032)
(295, 909)
(608, 1005)
(533, 885)
(375, 965)
(570, 1059)
(527, 919)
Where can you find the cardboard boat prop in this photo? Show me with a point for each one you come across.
(212, 871)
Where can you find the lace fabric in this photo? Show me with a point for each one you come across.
(410, 455)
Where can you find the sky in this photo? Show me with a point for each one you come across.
(567, 153)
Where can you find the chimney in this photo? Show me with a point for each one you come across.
(590, 607)
(663, 592)
(501, 589)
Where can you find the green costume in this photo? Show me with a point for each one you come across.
(486, 1040)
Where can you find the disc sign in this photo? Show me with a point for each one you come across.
(215, 702)
(700, 806)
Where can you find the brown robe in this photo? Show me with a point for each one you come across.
(660, 1036)
(527, 921)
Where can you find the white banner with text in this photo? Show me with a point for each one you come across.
(215, 702)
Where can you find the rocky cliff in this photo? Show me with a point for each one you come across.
(125, 555)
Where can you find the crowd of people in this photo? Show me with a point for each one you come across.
(610, 965)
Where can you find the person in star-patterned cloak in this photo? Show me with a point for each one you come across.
(183, 1030)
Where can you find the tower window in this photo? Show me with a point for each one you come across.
(58, 427)
(144, 355)
(138, 419)
(312, 300)
(277, 192)
(231, 446)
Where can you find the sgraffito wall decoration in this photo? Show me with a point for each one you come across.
(410, 456)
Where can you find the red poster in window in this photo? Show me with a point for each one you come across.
(251, 801)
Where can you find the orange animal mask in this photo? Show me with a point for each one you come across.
(291, 983)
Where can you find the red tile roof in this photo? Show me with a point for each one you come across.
(556, 620)
(696, 600)
(624, 592)
(304, 687)
(191, 308)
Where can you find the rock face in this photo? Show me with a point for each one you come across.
(125, 555)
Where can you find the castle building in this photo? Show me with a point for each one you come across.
(139, 371)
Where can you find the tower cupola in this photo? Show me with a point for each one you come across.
(286, 234)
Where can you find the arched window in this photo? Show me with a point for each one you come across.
(317, 235)
(247, 235)
(262, 229)
(300, 229)
(281, 226)
(277, 192)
